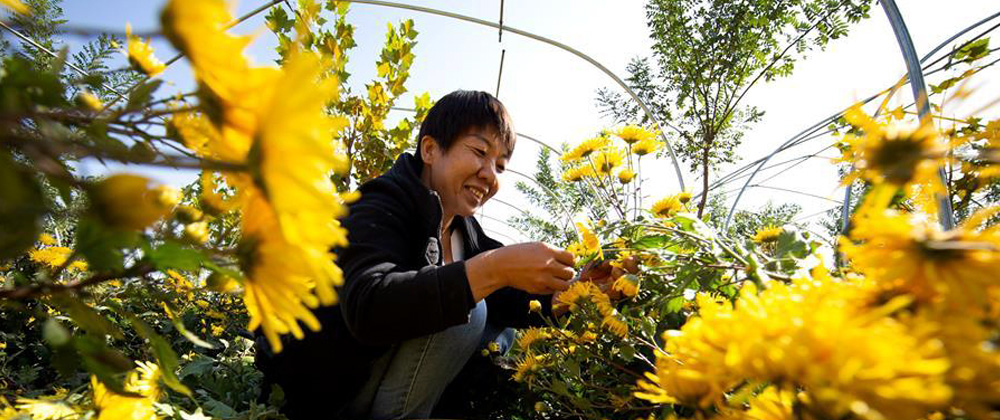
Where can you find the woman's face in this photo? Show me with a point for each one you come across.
(465, 176)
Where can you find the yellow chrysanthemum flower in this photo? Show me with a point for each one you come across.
(769, 404)
(632, 134)
(893, 154)
(585, 149)
(627, 284)
(528, 365)
(52, 256)
(46, 408)
(588, 244)
(266, 120)
(606, 160)
(614, 324)
(140, 54)
(531, 336)
(579, 290)
(144, 381)
(132, 201)
(646, 146)
(16, 5)
(626, 175)
(578, 173)
(817, 333)
(112, 406)
(767, 234)
(904, 253)
(55, 256)
(667, 206)
(47, 239)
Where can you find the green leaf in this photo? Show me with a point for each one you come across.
(165, 356)
(173, 255)
(559, 387)
(102, 246)
(197, 367)
(278, 20)
(55, 334)
(21, 208)
(86, 317)
(142, 94)
(973, 51)
(791, 243)
(627, 351)
(651, 242)
(572, 367)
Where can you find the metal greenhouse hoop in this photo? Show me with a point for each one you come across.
(915, 73)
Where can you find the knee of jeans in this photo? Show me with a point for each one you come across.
(505, 339)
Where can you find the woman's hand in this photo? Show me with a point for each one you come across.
(534, 267)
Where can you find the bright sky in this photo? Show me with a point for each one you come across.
(550, 93)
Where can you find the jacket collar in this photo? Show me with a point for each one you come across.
(427, 204)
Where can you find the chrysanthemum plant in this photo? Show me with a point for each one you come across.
(100, 273)
(669, 321)
(641, 270)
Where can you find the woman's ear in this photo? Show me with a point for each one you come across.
(428, 149)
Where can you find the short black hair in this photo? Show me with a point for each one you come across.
(461, 110)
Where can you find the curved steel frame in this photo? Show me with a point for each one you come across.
(906, 44)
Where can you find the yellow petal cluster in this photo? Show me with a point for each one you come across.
(892, 154)
(262, 117)
(131, 201)
(15, 5)
(667, 206)
(585, 149)
(646, 146)
(632, 134)
(140, 55)
(142, 381)
(606, 160)
(531, 336)
(816, 333)
(55, 256)
(767, 234)
(588, 245)
(908, 254)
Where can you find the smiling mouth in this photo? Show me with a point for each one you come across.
(478, 193)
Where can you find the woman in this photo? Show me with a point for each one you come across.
(424, 286)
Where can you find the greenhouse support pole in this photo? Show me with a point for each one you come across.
(844, 214)
(919, 88)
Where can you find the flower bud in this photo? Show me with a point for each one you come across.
(131, 201)
(535, 306)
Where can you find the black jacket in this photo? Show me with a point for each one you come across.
(394, 289)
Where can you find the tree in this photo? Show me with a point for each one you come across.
(369, 145)
(709, 53)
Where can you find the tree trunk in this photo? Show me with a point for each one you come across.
(706, 147)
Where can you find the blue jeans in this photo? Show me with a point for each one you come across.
(408, 380)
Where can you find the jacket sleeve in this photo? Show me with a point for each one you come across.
(383, 301)
(509, 307)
